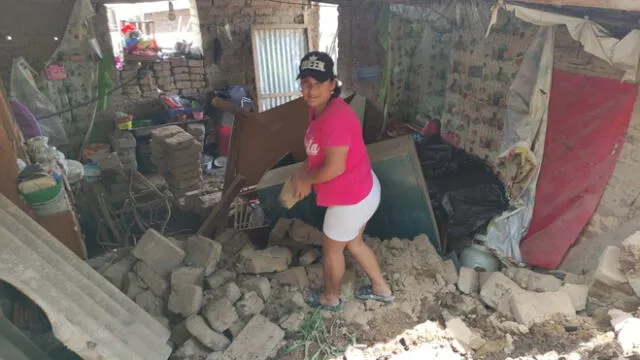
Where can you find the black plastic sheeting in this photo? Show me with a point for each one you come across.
(465, 193)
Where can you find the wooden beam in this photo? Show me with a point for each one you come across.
(623, 5)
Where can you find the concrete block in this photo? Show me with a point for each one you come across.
(251, 304)
(117, 273)
(465, 336)
(260, 285)
(291, 323)
(195, 71)
(280, 229)
(150, 303)
(195, 63)
(634, 282)
(308, 257)
(543, 283)
(181, 77)
(74, 297)
(188, 275)
(272, 259)
(185, 300)
(161, 66)
(158, 252)
(468, 281)
(134, 285)
(221, 314)
(296, 277)
(198, 84)
(219, 278)
(203, 252)
(196, 77)
(177, 70)
(315, 274)
(450, 272)
(529, 308)
(608, 271)
(191, 349)
(237, 327)
(306, 234)
(156, 283)
(183, 84)
(229, 291)
(483, 276)
(499, 288)
(209, 338)
(578, 295)
(256, 341)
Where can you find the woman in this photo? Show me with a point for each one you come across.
(339, 171)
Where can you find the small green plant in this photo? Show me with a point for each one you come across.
(314, 336)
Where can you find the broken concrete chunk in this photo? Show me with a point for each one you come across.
(203, 252)
(229, 291)
(468, 281)
(185, 300)
(483, 276)
(627, 329)
(450, 272)
(149, 302)
(133, 285)
(221, 314)
(280, 229)
(156, 283)
(251, 304)
(189, 276)
(219, 278)
(191, 349)
(296, 277)
(260, 285)
(209, 338)
(608, 271)
(305, 234)
(269, 260)
(529, 308)
(158, 252)
(291, 323)
(543, 283)
(347, 284)
(308, 257)
(465, 336)
(497, 289)
(256, 341)
(315, 274)
(117, 273)
(578, 295)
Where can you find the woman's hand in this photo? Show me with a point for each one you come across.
(301, 184)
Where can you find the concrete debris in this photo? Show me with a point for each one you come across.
(315, 275)
(260, 285)
(627, 329)
(185, 300)
(497, 292)
(117, 272)
(203, 252)
(177, 155)
(188, 276)
(291, 323)
(309, 257)
(305, 234)
(251, 304)
(221, 314)
(133, 285)
(530, 308)
(190, 349)
(610, 287)
(154, 281)
(578, 295)
(467, 338)
(269, 260)
(630, 261)
(158, 252)
(150, 303)
(259, 338)
(296, 277)
(450, 272)
(209, 338)
(468, 281)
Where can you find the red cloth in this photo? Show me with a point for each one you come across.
(338, 126)
(588, 120)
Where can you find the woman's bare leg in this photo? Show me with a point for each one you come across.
(333, 263)
(367, 259)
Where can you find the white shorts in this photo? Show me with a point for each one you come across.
(343, 223)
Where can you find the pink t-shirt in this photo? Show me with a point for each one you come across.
(338, 125)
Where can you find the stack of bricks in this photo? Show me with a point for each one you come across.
(189, 76)
(178, 76)
(124, 144)
(177, 155)
(197, 131)
(112, 175)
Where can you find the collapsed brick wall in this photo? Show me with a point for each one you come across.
(358, 32)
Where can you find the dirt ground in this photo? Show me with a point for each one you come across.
(413, 327)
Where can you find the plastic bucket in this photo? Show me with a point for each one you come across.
(224, 138)
(47, 201)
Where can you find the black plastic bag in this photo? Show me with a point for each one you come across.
(471, 208)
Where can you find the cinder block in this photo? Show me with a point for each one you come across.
(203, 252)
(188, 275)
(156, 283)
(219, 278)
(257, 341)
(185, 300)
(260, 285)
(529, 308)
(578, 295)
(296, 277)
(221, 314)
(468, 281)
(209, 338)
(251, 304)
(272, 259)
(158, 252)
(608, 271)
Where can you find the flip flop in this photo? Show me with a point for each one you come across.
(366, 293)
(313, 299)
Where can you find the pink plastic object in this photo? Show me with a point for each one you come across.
(55, 72)
(198, 115)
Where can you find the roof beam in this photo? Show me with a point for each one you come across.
(624, 5)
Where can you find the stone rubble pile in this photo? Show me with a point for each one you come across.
(177, 154)
(224, 299)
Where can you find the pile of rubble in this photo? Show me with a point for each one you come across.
(225, 299)
(177, 154)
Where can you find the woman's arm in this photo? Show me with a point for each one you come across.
(335, 161)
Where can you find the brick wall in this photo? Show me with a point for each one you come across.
(359, 46)
(163, 24)
(230, 22)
